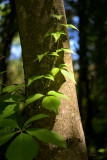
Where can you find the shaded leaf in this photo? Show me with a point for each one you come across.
(68, 74)
(57, 16)
(6, 137)
(23, 147)
(33, 98)
(54, 71)
(33, 78)
(10, 110)
(51, 103)
(36, 117)
(11, 88)
(5, 123)
(69, 25)
(47, 136)
(58, 94)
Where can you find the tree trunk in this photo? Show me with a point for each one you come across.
(34, 22)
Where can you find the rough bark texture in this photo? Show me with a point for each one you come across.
(34, 22)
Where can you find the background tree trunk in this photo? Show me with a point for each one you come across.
(34, 22)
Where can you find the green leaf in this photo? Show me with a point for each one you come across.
(5, 123)
(54, 71)
(6, 137)
(51, 103)
(14, 98)
(69, 25)
(53, 54)
(57, 16)
(33, 98)
(68, 74)
(36, 117)
(10, 110)
(40, 57)
(3, 72)
(33, 78)
(11, 88)
(23, 147)
(63, 65)
(47, 136)
(66, 50)
(56, 35)
(49, 76)
(57, 94)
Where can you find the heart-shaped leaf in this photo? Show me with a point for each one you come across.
(47, 136)
(23, 147)
(51, 103)
(54, 71)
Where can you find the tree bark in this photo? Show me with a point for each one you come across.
(34, 22)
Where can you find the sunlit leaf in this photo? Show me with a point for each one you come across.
(40, 57)
(57, 16)
(33, 78)
(69, 25)
(36, 117)
(56, 35)
(54, 71)
(68, 74)
(53, 54)
(66, 50)
(6, 137)
(47, 136)
(8, 123)
(63, 65)
(33, 98)
(51, 103)
(57, 94)
(49, 76)
(23, 147)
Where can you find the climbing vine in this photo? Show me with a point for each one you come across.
(23, 138)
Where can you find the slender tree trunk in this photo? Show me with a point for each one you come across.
(34, 22)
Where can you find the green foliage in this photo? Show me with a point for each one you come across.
(56, 35)
(69, 25)
(36, 117)
(23, 145)
(57, 16)
(33, 98)
(47, 136)
(57, 94)
(51, 103)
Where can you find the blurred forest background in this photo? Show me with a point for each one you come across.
(90, 63)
